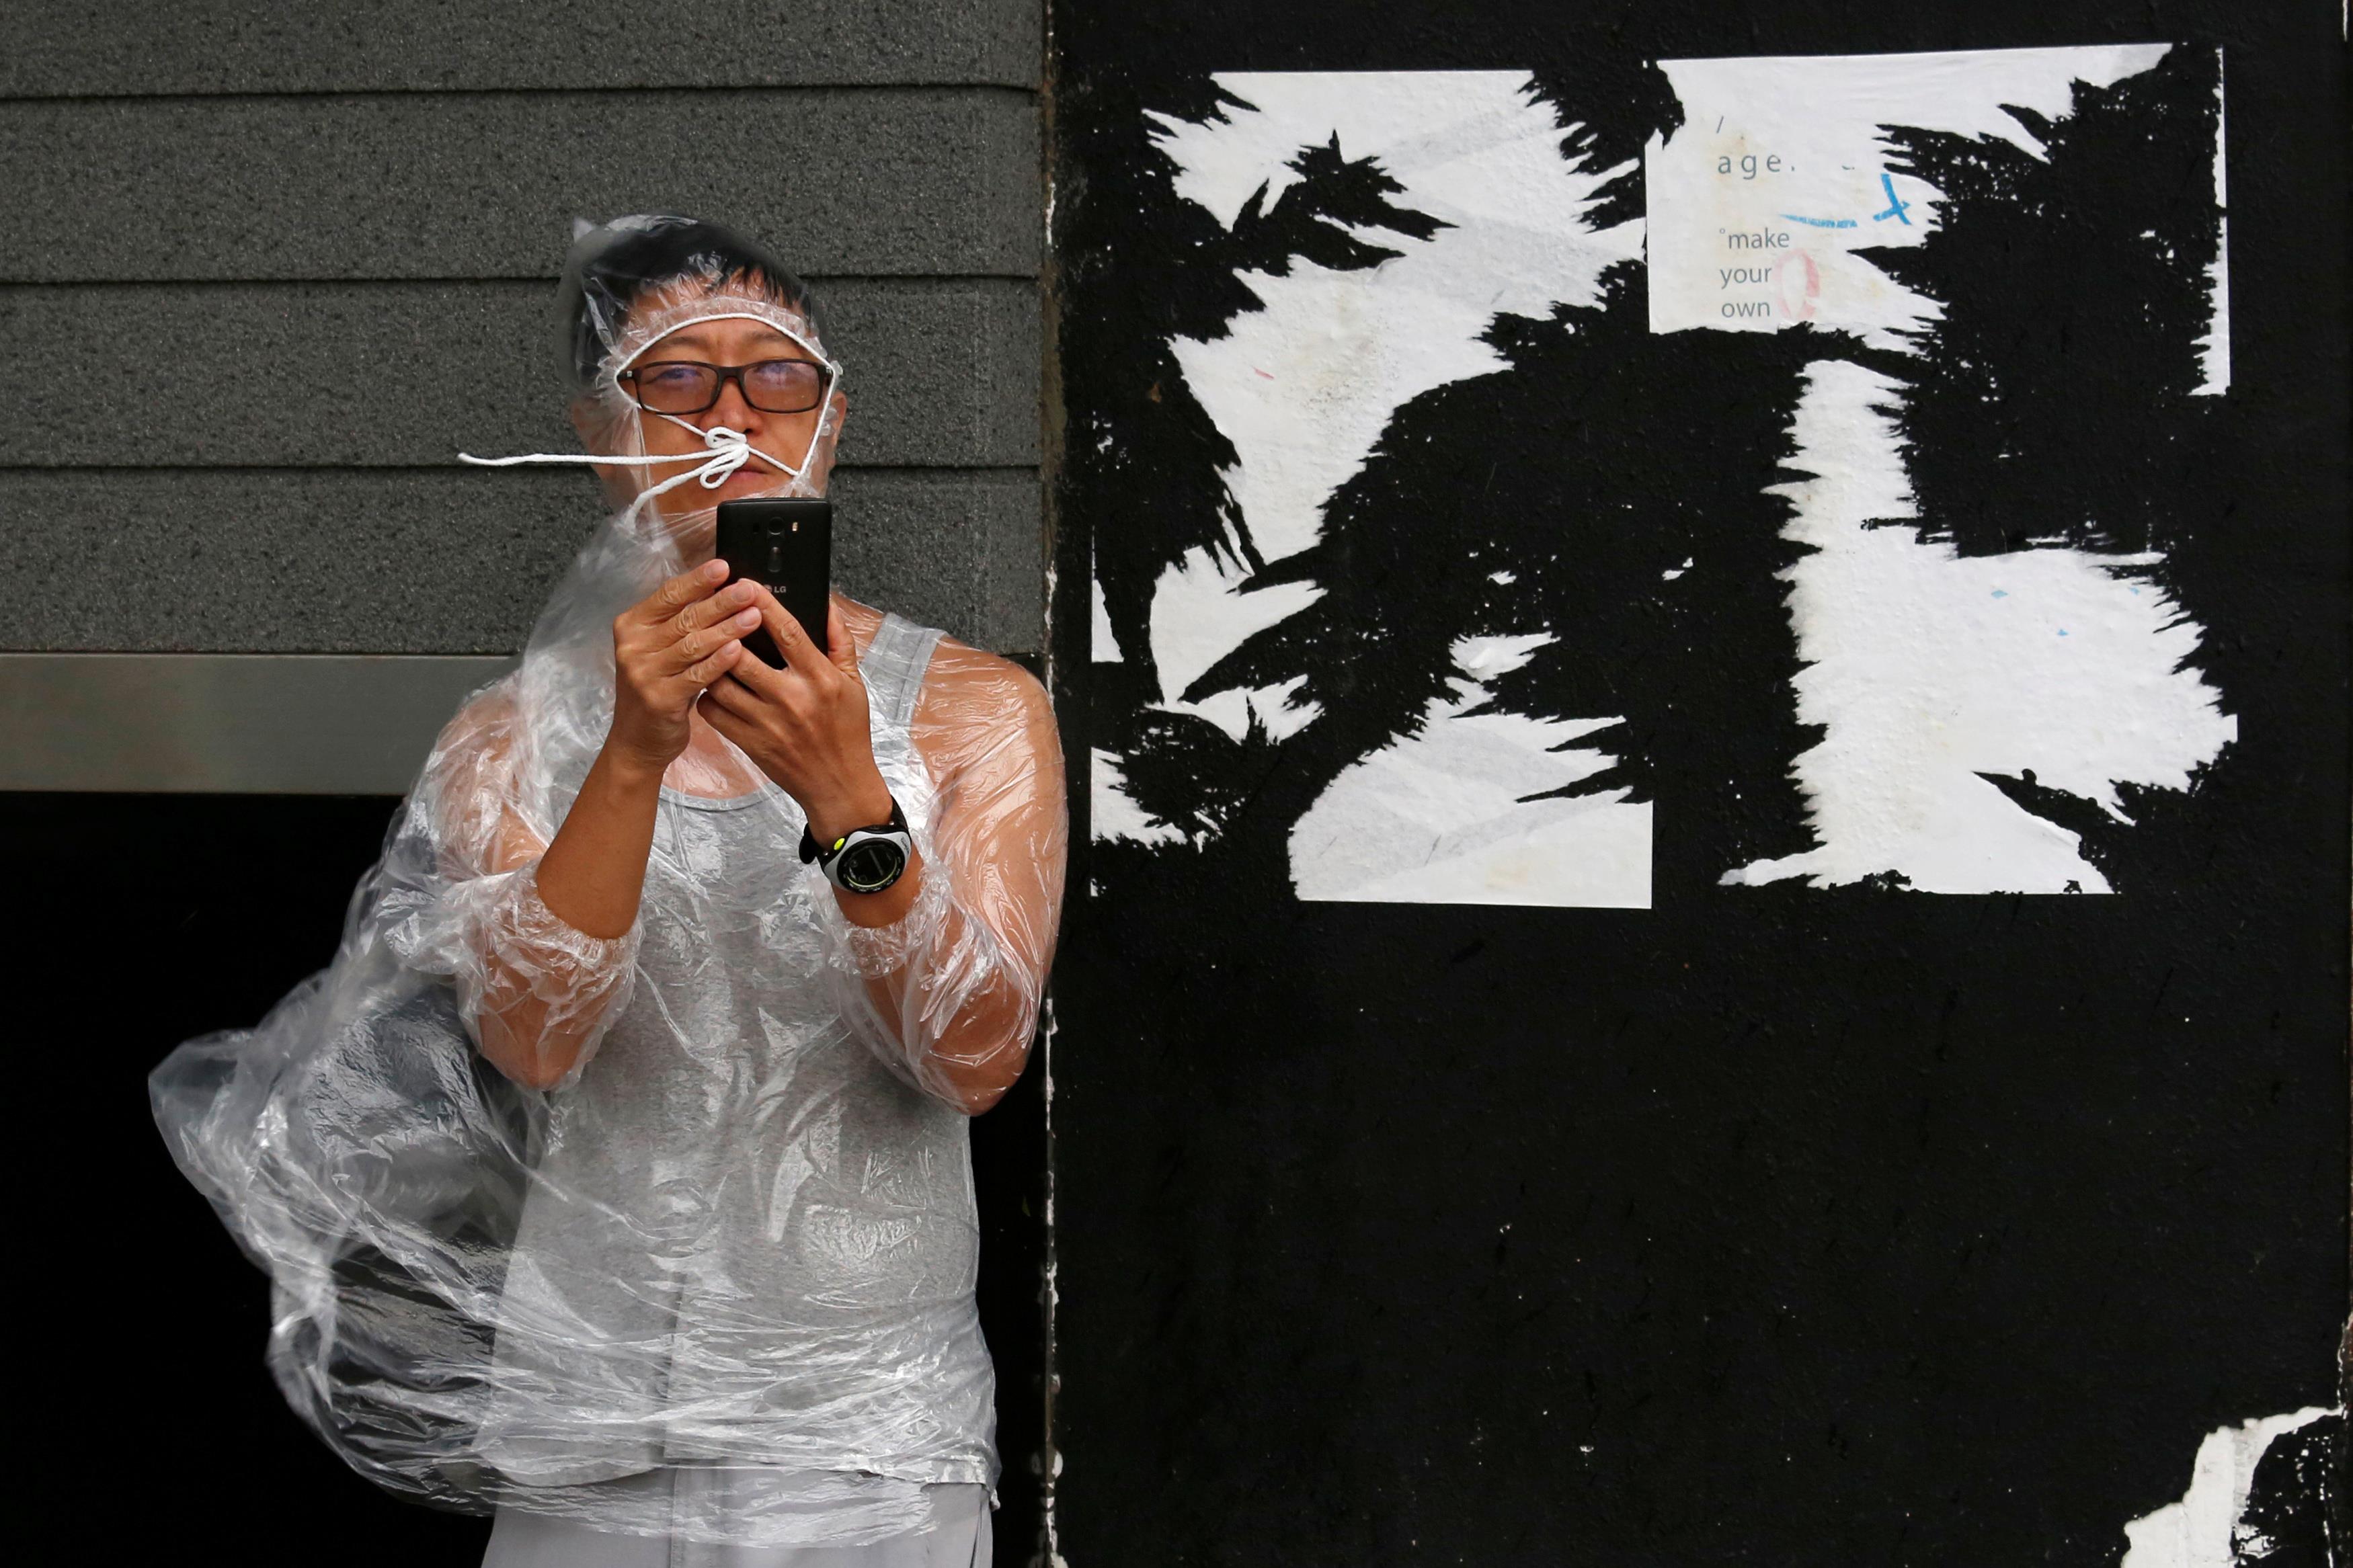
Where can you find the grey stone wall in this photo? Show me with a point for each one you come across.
(266, 269)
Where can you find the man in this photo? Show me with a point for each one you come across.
(734, 1322)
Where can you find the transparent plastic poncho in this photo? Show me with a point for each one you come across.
(739, 1231)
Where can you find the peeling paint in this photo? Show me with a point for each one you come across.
(2202, 1530)
(1929, 670)
(1462, 811)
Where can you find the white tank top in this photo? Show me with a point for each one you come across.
(740, 1197)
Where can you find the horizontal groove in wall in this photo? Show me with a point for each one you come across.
(441, 561)
(842, 473)
(820, 281)
(853, 180)
(329, 374)
(226, 46)
(239, 585)
(225, 723)
(1021, 90)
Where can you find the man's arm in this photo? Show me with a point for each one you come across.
(552, 922)
(951, 989)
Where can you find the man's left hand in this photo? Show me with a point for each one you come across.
(805, 726)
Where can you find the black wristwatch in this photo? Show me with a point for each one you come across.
(865, 859)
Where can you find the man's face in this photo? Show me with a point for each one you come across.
(727, 343)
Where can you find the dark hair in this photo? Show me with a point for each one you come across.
(612, 264)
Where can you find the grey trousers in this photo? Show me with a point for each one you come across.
(958, 1537)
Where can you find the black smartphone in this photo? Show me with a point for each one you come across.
(787, 546)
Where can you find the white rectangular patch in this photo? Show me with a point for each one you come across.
(1777, 176)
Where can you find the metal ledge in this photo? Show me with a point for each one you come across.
(227, 723)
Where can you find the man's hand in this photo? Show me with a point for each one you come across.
(805, 725)
(668, 646)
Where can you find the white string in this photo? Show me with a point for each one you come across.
(729, 449)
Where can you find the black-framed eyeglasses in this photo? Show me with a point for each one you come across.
(689, 386)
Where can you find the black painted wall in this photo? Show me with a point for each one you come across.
(1769, 1225)
(145, 919)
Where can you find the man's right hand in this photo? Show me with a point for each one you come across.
(666, 647)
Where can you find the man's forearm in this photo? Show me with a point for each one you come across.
(593, 875)
(969, 1052)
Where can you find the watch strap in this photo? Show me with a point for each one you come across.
(826, 856)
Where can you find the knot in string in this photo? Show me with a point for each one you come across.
(730, 451)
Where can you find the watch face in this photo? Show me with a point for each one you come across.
(871, 865)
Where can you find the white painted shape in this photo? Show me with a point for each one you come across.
(1928, 667)
(1305, 386)
(1200, 613)
(1485, 658)
(1437, 817)
(1426, 118)
(1279, 710)
(1105, 643)
(1269, 708)
(2214, 348)
(1228, 710)
(1303, 389)
(1111, 814)
(1819, 115)
(2198, 1531)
